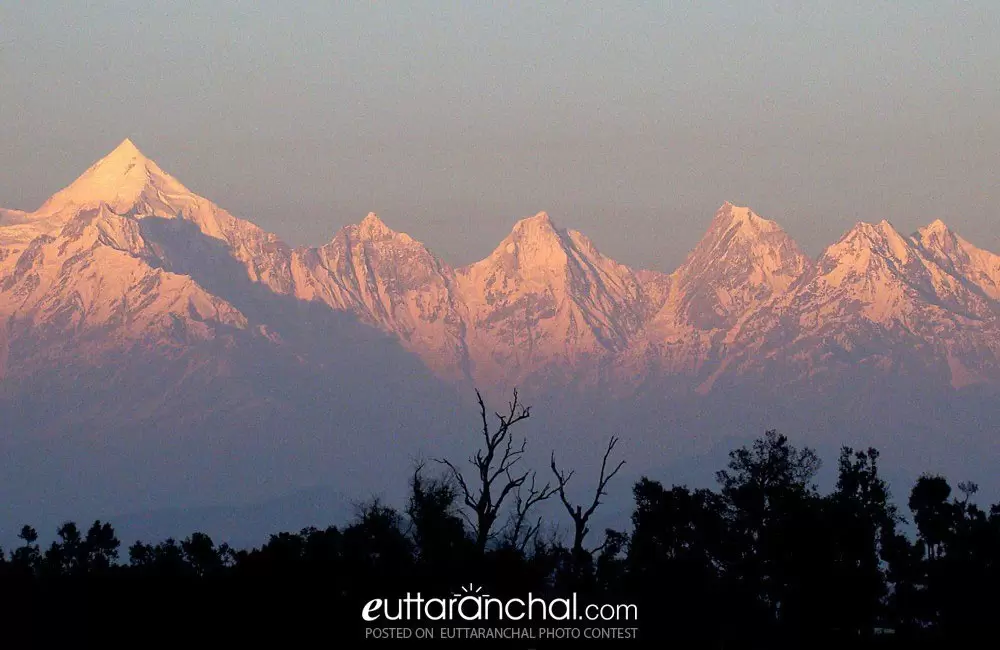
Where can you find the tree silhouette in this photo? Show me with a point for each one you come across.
(863, 526)
(164, 560)
(763, 560)
(496, 478)
(771, 506)
(100, 547)
(933, 513)
(680, 538)
(25, 559)
(580, 516)
(438, 532)
(202, 556)
(521, 532)
(66, 556)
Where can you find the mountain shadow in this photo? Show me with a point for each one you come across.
(303, 396)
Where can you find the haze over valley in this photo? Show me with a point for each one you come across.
(158, 352)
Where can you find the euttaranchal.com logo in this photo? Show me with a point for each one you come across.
(471, 605)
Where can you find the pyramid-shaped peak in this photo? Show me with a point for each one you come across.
(741, 260)
(123, 159)
(120, 179)
(126, 148)
(738, 226)
(537, 233)
(748, 236)
(541, 219)
(879, 230)
(730, 214)
(539, 224)
(881, 238)
(372, 219)
(936, 235)
(373, 228)
(534, 248)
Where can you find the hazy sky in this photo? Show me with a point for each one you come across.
(631, 122)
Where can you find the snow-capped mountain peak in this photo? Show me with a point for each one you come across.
(871, 263)
(957, 256)
(545, 305)
(935, 227)
(121, 180)
(374, 229)
(534, 249)
(538, 229)
(740, 222)
(545, 297)
(737, 228)
(938, 239)
(730, 213)
(125, 151)
(865, 238)
(742, 260)
(539, 220)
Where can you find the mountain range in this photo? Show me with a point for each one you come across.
(127, 256)
(128, 303)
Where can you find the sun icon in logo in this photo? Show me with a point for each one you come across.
(472, 590)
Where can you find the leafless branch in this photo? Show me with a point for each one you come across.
(580, 516)
(602, 482)
(520, 532)
(494, 460)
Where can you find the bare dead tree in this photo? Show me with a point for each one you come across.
(520, 531)
(496, 479)
(577, 513)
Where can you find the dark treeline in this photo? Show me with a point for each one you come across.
(763, 558)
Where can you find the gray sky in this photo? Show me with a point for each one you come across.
(630, 122)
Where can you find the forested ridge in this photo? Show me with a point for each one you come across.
(762, 558)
